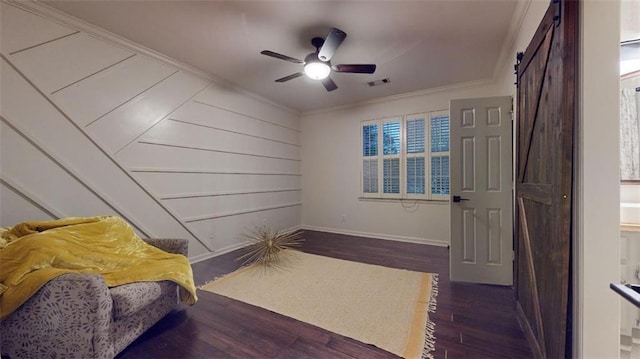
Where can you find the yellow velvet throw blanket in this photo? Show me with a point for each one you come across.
(32, 253)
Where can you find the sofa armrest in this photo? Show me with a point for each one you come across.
(69, 317)
(177, 246)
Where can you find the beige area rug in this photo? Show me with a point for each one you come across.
(377, 305)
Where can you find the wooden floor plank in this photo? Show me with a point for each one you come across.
(472, 320)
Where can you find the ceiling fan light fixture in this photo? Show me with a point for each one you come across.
(317, 70)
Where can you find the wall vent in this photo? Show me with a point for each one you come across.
(379, 82)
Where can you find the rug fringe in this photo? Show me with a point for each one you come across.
(430, 327)
(208, 282)
(215, 279)
(243, 266)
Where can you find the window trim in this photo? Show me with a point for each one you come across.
(403, 156)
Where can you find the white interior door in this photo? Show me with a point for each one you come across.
(481, 191)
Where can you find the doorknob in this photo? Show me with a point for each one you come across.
(458, 199)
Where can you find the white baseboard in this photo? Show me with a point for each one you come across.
(227, 249)
(432, 242)
(219, 252)
(233, 247)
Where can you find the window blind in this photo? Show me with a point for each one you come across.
(415, 136)
(440, 175)
(391, 175)
(370, 140)
(370, 176)
(440, 134)
(391, 138)
(415, 175)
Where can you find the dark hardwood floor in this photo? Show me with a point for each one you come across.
(472, 320)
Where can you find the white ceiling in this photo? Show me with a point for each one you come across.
(630, 20)
(416, 44)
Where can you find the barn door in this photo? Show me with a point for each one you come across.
(546, 108)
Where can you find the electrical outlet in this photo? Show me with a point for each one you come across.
(344, 218)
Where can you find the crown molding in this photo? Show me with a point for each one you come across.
(505, 58)
(425, 92)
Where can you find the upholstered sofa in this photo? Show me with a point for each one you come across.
(78, 316)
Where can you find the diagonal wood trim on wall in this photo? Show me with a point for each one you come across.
(80, 180)
(118, 98)
(30, 197)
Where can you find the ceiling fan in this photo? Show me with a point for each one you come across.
(317, 65)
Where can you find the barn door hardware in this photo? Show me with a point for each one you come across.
(558, 11)
(519, 57)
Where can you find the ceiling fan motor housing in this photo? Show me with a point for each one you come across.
(317, 42)
(313, 57)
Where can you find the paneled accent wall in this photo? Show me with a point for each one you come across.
(91, 126)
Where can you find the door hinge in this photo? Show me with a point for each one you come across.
(513, 255)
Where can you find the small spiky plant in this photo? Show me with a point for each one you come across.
(267, 244)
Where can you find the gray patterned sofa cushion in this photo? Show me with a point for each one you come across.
(130, 298)
(70, 317)
(126, 330)
(78, 316)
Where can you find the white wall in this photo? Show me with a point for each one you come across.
(331, 158)
(630, 203)
(525, 25)
(597, 230)
(95, 125)
(331, 161)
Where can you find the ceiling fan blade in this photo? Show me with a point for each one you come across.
(354, 68)
(335, 37)
(290, 77)
(329, 84)
(281, 56)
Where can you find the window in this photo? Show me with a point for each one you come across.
(440, 155)
(629, 133)
(414, 161)
(391, 157)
